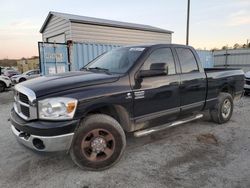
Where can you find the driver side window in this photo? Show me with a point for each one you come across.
(162, 55)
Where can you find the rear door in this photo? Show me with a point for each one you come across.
(37, 73)
(31, 74)
(193, 81)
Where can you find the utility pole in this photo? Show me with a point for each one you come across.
(188, 12)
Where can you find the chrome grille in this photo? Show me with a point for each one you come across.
(24, 104)
(23, 98)
(25, 110)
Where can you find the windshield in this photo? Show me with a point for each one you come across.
(117, 60)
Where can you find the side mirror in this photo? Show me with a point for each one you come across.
(156, 69)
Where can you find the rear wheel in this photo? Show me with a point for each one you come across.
(223, 110)
(98, 143)
(2, 86)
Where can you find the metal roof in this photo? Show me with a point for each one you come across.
(102, 22)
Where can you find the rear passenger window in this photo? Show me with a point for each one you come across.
(187, 60)
(162, 55)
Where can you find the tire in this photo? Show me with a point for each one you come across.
(22, 80)
(223, 110)
(2, 86)
(98, 129)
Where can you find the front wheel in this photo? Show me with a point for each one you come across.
(98, 143)
(223, 110)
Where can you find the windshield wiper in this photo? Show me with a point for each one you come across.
(83, 68)
(99, 68)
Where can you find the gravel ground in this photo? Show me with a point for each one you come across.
(198, 154)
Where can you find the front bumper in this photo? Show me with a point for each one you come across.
(14, 81)
(8, 83)
(44, 143)
(43, 135)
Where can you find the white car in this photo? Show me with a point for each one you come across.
(5, 82)
(25, 76)
(247, 83)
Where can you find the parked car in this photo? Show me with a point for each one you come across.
(247, 83)
(139, 89)
(25, 76)
(5, 82)
(10, 73)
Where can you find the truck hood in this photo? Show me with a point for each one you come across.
(65, 81)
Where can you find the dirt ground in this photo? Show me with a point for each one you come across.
(198, 154)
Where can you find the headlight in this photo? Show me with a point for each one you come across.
(59, 108)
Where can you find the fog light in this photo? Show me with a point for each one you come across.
(38, 143)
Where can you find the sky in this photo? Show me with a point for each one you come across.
(213, 23)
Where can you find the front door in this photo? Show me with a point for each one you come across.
(157, 96)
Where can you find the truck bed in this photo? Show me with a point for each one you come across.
(223, 79)
(223, 72)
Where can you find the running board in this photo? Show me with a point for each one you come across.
(166, 126)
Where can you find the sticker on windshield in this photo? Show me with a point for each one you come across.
(136, 49)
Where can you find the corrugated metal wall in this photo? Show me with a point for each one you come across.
(239, 58)
(53, 58)
(113, 35)
(206, 58)
(83, 53)
(56, 26)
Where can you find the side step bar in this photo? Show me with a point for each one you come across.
(166, 126)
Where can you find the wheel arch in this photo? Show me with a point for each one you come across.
(117, 112)
(227, 88)
(21, 79)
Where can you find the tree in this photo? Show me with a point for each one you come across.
(236, 45)
(214, 49)
(224, 47)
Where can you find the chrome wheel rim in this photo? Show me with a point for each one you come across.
(98, 145)
(226, 108)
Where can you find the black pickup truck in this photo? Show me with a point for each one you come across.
(139, 89)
